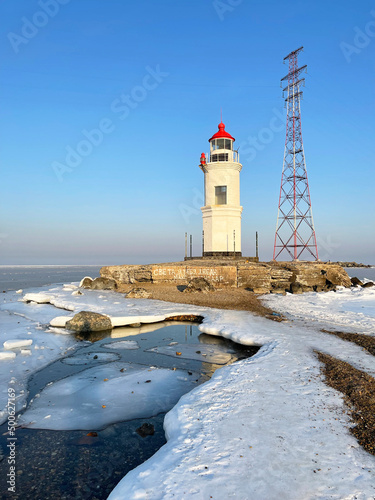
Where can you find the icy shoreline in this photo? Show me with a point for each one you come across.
(267, 427)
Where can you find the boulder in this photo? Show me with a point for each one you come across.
(338, 276)
(87, 322)
(368, 284)
(199, 285)
(138, 293)
(86, 282)
(103, 284)
(127, 274)
(356, 282)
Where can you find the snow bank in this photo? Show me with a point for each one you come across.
(351, 309)
(264, 428)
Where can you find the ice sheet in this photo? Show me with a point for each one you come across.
(200, 352)
(106, 394)
(90, 358)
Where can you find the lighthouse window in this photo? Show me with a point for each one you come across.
(221, 144)
(220, 195)
(219, 157)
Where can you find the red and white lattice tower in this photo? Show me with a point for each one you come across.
(295, 233)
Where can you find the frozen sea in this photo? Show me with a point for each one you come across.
(265, 427)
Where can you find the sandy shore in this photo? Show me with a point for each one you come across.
(238, 299)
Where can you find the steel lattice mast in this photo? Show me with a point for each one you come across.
(295, 231)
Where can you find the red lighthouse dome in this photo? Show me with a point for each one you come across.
(221, 134)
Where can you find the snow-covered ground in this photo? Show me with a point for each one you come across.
(264, 428)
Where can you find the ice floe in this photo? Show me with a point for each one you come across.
(7, 355)
(122, 344)
(16, 344)
(105, 394)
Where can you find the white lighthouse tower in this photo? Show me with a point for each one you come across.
(222, 210)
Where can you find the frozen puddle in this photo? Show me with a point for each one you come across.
(84, 410)
(103, 395)
(200, 352)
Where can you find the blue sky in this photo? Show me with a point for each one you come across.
(68, 68)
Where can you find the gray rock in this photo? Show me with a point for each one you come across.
(103, 284)
(199, 285)
(86, 322)
(138, 293)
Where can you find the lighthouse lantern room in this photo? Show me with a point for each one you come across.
(222, 211)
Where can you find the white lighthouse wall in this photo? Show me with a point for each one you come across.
(222, 174)
(222, 228)
(222, 223)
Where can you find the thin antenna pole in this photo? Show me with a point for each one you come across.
(186, 246)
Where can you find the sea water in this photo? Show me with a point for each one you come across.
(361, 272)
(24, 277)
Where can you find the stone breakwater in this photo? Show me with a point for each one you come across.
(262, 277)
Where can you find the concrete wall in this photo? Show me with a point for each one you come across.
(258, 277)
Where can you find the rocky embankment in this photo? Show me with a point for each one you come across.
(352, 264)
(262, 277)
